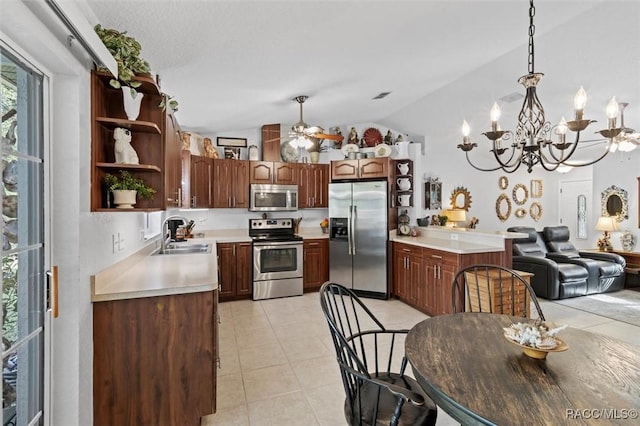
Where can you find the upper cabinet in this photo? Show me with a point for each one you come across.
(154, 137)
(313, 185)
(230, 183)
(366, 168)
(267, 172)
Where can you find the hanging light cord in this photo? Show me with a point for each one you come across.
(532, 31)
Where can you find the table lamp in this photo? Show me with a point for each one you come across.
(455, 215)
(606, 224)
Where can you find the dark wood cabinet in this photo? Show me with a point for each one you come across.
(422, 277)
(271, 142)
(408, 282)
(313, 186)
(142, 351)
(172, 163)
(235, 271)
(316, 263)
(201, 178)
(154, 136)
(268, 172)
(230, 183)
(366, 168)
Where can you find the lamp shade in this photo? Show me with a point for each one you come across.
(455, 215)
(607, 223)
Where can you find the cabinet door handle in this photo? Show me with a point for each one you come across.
(229, 201)
(193, 201)
(179, 200)
(234, 249)
(435, 256)
(313, 244)
(234, 201)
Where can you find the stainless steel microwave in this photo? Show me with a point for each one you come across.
(273, 198)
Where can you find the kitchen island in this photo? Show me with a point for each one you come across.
(424, 266)
(155, 339)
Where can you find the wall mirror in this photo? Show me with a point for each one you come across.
(433, 194)
(460, 198)
(614, 203)
(535, 211)
(520, 194)
(503, 207)
(503, 182)
(536, 188)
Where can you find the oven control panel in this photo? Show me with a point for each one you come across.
(270, 224)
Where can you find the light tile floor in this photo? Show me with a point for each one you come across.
(278, 366)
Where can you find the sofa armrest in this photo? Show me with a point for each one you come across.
(607, 257)
(545, 280)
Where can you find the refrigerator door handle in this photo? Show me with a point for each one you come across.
(353, 229)
(349, 231)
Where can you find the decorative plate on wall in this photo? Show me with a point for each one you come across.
(372, 136)
(382, 150)
(350, 147)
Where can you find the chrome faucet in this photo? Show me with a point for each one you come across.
(165, 234)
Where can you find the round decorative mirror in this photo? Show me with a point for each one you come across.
(460, 198)
(520, 194)
(614, 203)
(535, 211)
(503, 207)
(503, 182)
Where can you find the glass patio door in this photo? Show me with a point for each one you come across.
(23, 243)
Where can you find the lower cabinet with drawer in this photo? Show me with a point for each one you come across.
(316, 263)
(422, 277)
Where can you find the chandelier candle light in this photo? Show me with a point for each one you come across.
(532, 144)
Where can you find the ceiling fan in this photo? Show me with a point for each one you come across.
(304, 136)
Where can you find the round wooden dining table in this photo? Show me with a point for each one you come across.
(469, 369)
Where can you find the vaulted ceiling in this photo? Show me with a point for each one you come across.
(237, 64)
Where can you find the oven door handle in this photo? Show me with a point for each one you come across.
(278, 244)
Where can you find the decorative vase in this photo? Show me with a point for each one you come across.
(124, 198)
(314, 156)
(403, 149)
(131, 104)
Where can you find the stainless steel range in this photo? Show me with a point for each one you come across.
(277, 258)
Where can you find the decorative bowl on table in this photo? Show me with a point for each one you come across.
(536, 339)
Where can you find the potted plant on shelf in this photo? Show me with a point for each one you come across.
(126, 187)
(126, 51)
(168, 102)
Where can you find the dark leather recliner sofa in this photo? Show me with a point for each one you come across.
(551, 279)
(606, 270)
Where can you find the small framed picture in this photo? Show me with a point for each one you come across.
(235, 142)
(232, 153)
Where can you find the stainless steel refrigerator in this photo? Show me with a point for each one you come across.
(358, 236)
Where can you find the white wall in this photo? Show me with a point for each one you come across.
(579, 59)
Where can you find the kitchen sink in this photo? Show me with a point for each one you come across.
(185, 249)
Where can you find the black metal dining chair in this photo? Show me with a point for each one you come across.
(495, 289)
(366, 353)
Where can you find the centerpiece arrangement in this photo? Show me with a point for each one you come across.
(536, 339)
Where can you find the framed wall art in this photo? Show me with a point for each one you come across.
(234, 142)
(232, 153)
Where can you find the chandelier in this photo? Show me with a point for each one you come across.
(532, 143)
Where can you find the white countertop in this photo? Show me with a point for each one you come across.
(146, 275)
(453, 246)
(458, 240)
